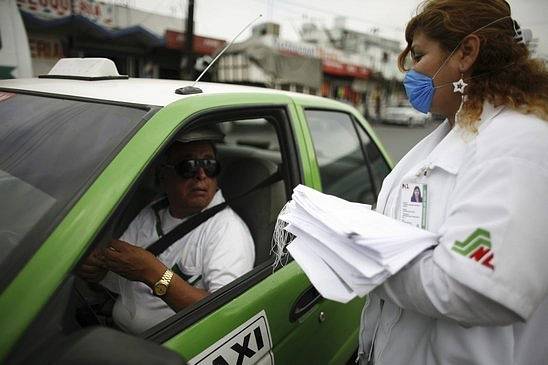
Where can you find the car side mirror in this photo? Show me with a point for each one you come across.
(106, 346)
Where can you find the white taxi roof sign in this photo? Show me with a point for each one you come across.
(84, 69)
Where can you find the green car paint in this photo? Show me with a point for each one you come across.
(38, 280)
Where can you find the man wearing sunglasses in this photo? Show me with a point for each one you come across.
(208, 257)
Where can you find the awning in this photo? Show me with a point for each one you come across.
(78, 24)
(284, 68)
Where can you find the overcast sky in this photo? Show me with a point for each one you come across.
(225, 18)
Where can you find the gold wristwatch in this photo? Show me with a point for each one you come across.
(160, 288)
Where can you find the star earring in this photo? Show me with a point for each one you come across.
(458, 87)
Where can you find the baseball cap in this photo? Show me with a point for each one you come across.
(210, 133)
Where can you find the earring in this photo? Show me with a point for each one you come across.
(458, 87)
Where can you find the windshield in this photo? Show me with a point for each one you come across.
(50, 150)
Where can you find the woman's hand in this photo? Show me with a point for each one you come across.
(133, 263)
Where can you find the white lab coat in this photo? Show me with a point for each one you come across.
(449, 308)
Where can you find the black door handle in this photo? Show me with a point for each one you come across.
(304, 303)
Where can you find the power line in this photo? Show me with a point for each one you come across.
(331, 13)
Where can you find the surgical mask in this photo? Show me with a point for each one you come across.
(420, 87)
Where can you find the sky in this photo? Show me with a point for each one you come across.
(226, 18)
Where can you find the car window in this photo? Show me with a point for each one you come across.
(379, 167)
(250, 153)
(343, 152)
(39, 174)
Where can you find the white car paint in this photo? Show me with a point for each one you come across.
(404, 115)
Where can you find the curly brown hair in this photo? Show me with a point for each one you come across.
(504, 72)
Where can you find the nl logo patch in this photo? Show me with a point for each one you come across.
(477, 246)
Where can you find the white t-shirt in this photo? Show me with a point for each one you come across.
(212, 255)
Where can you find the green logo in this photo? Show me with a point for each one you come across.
(477, 246)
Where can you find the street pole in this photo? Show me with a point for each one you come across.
(189, 42)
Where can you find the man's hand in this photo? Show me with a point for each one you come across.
(133, 263)
(93, 268)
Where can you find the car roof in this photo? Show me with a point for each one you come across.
(133, 90)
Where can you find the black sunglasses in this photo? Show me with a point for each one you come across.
(188, 169)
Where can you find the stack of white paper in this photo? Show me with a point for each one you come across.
(345, 248)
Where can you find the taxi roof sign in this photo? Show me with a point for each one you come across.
(84, 69)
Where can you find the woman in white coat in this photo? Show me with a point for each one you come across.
(480, 295)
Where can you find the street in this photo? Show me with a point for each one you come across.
(398, 140)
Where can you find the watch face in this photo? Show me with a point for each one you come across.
(160, 289)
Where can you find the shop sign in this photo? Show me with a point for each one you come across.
(46, 9)
(45, 48)
(201, 45)
(331, 59)
(336, 68)
(296, 48)
(96, 11)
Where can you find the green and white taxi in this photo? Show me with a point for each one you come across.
(78, 151)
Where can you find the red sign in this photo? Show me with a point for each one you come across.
(46, 8)
(45, 48)
(96, 11)
(201, 45)
(344, 69)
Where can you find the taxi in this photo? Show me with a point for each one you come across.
(78, 151)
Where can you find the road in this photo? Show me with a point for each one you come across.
(398, 140)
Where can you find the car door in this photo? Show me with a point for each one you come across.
(344, 161)
(270, 315)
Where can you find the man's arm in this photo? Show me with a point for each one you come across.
(137, 264)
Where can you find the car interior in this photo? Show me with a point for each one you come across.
(248, 156)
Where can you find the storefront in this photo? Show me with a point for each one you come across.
(88, 28)
(85, 28)
(268, 61)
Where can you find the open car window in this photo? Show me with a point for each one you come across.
(251, 152)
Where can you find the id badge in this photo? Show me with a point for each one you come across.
(413, 204)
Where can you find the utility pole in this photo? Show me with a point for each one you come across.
(189, 42)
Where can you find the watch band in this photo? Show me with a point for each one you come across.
(166, 278)
(160, 288)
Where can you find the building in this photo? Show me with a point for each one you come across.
(369, 50)
(353, 67)
(266, 60)
(142, 44)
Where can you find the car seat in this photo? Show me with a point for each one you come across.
(259, 209)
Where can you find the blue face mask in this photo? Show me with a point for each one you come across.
(420, 90)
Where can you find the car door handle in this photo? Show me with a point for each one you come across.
(304, 303)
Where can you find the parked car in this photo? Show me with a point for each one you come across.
(404, 115)
(78, 151)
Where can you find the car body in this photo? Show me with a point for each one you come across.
(77, 159)
(404, 115)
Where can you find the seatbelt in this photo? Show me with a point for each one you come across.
(165, 241)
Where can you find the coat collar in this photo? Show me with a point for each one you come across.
(451, 152)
